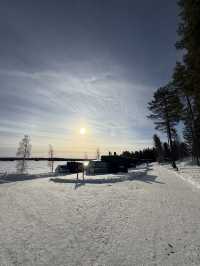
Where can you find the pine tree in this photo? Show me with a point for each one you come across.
(165, 110)
(190, 114)
(188, 136)
(176, 145)
(183, 150)
(186, 75)
(189, 41)
(167, 152)
(158, 147)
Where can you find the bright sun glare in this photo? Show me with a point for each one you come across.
(82, 131)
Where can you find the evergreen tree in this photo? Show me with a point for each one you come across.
(179, 148)
(167, 152)
(190, 114)
(148, 154)
(188, 136)
(186, 74)
(165, 110)
(189, 41)
(183, 150)
(176, 147)
(158, 147)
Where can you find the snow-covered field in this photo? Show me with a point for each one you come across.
(188, 171)
(149, 216)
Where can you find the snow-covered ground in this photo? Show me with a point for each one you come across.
(188, 171)
(149, 216)
(34, 167)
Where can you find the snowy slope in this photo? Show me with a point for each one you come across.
(147, 217)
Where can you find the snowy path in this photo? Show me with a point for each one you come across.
(149, 217)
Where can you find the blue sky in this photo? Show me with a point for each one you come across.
(73, 64)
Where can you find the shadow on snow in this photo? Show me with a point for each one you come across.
(21, 177)
(140, 174)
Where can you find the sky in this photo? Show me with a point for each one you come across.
(93, 64)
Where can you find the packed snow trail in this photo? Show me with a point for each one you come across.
(147, 217)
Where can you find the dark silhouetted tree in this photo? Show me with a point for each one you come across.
(189, 42)
(166, 151)
(159, 148)
(183, 150)
(190, 114)
(165, 110)
(148, 154)
(186, 74)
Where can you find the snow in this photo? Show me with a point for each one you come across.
(188, 171)
(146, 217)
(34, 167)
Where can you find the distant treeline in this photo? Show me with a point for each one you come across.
(160, 152)
(163, 153)
(148, 154)
(179, 100)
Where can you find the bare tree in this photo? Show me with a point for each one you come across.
(51, 161)
(98, 155)
(23, 152)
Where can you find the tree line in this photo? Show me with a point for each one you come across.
(179, 100)
(148, 154)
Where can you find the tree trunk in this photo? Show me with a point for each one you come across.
(171, 146)
(169, 137)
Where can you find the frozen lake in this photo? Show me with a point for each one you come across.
(34, 167)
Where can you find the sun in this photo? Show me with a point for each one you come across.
(82, 131)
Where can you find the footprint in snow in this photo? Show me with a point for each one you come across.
(171, 251)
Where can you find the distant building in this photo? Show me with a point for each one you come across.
(97, 168)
